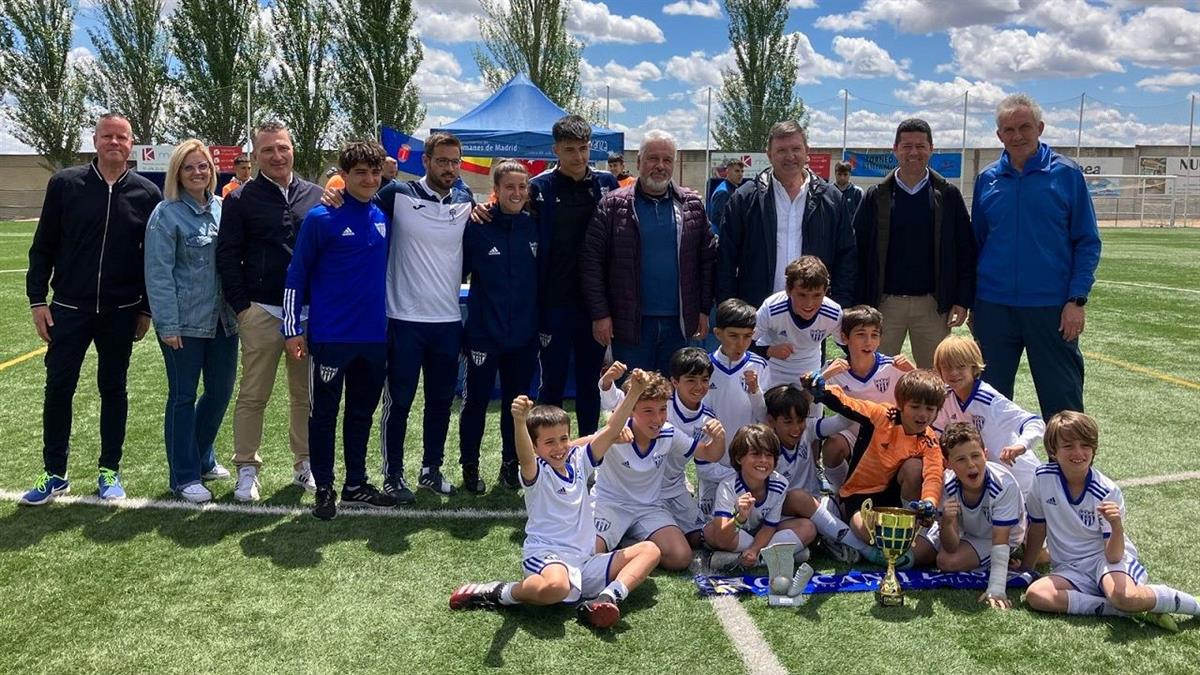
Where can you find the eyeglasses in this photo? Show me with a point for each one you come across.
(203, 167)
(445, 162)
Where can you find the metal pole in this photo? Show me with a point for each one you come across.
(249, 123)
(375, 107)
(962, 173)
(607, 102)
(708, 141)
(1191, 181)
(1079, 134)
(845, 119)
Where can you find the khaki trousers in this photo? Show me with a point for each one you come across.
(917, 317)
(262, 346)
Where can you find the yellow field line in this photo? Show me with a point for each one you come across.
(1165, 377)
(23, 358)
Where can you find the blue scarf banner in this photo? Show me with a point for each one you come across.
(856, 581)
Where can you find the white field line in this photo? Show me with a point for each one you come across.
(1154, 286)
(1159, 480)
(13, 271)
(746, 638)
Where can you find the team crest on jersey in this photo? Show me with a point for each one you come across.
(978, 421)
(381, 228)
(817, 334)
(544, 338)
(882, 384)
(658, 460)
(328, 373)
(478, 357)
(1087, 517)
(604, 190)
(533, 248)
(602, 525)
(802, 451)
(987, 512)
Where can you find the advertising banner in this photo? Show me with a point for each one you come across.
(879, 164)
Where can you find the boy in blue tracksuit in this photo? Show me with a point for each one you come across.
(339, 269)
(502, 317)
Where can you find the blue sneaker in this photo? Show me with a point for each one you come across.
(110, 485)
(47, 487)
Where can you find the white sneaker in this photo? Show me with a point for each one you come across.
(304, 478)
(196, 493)
(218, 472)
(247, 485)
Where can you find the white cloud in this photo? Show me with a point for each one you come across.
(864, 58)
(920, 16)
(928, 92)
(802, 4)
(624, 82)
(698, 69)
(1015, 54)
(1160, 83)
(440, 62)
(443, 89)
(593, 22)
(440, 26)
(1162, 36)
(709, 9)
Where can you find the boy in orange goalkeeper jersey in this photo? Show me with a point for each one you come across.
(896, 460)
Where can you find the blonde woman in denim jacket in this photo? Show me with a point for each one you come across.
(197, 329)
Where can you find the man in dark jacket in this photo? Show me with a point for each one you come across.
(647, 263)
(784, 213)
(916, 249)
(259, 224)
(88, 249)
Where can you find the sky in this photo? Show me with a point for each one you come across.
(1135, 63)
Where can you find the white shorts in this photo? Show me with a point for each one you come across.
(635, 522)
(1085, 574)
(710, 474)
(587, 577)
(686, 512)
(981, 545)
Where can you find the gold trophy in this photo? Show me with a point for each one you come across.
(892, 531)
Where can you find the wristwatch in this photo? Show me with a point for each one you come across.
(1079, 300)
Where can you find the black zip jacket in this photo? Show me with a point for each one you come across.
(88, 243)
(258, 234)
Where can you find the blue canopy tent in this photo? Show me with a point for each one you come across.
(516, 121)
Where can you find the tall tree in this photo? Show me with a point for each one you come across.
(761, 90)
(375, 43)
(219, 46)
(6, 41)
(300, 93)
(530, 36)
(132, 51)
(47, 87)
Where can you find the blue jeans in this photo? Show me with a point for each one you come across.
(661, 337)
(190, 426)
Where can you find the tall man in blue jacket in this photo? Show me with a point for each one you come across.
(1038, 250)
(88, 249)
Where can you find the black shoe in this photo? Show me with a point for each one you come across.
(477, 596)
(326, 507)
(431, 479)
(510, 475)
(367, 495)
(471, 481)
(397, 487)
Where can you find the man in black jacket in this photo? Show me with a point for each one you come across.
(784, 213)
(88, 249)
(259, 224)
(916, 249)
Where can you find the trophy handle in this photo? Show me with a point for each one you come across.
(868, 518)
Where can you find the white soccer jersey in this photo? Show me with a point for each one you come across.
(560, 507)
(426, 260)
(1000, 505)
(876, 386)
(630, 476)
(767, 512)
(798, 466)
(727, 396)
(1001, 423)
(777, 324)
(690, 422)
(1074, 531)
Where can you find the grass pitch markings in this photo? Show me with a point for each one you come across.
(747, 639)
(13, 271)
(1153, 286)
(1164, 377)
(23, 358)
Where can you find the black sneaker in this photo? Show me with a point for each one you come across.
(477, 596)
(397, 487)
(471, 481)
(599, 612)
(431, 479)
(367, 495)
(510, 475)
(326, 507)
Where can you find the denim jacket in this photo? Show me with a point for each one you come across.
(181, 270)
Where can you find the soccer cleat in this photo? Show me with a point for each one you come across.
(246, 489)
(326, 506)
(109, 485)
(471, 481)
(47, 487)
(195, 493)
(724, 561)
(369, 496)
(431, 479)
(840, 552)
(303, 477)
(510, 475)
(599, 612)
(1163, 621)
(477, 596)
(218, 472)
(397, 487)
